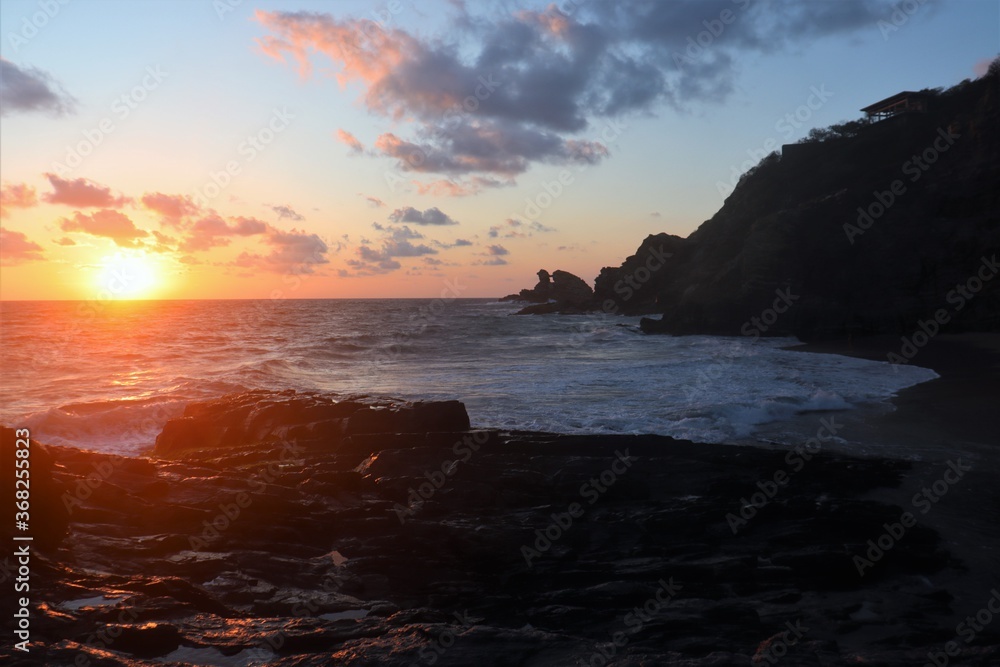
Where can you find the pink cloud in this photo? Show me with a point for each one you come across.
(172, 207)
(366, 51)
(16, 195)
(15, 248)
(106, 223)
(982, 67)
(82, 193)
(212, 231)
(349, 140)
(295, 253)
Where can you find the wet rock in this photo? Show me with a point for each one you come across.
(393, 548)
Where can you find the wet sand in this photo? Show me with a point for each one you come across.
(952, 417)
(959, 406)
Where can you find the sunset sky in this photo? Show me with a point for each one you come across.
(243, 149)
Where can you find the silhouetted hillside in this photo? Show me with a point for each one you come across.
(862, 229)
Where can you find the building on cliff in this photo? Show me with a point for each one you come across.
(904, 102)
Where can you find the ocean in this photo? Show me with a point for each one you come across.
(107, 376)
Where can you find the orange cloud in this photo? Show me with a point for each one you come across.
(366, 50)
(212, 231)
(17, 195)
(172, 207)
(82, 193)
(106, 223)
(552, 20)
(15, 248)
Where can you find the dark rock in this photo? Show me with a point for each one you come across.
(795, 231)
(47, 516)
(393, 546)
(258, 417)
(560, 292)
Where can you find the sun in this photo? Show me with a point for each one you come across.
(127, 276)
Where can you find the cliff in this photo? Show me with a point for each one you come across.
(863, 229)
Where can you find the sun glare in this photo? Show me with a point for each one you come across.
(128, 276)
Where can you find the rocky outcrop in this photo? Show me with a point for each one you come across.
(874, 233)
(28, 481)
(560, 292)
(489, 548)
(869, 229)
(261, 417)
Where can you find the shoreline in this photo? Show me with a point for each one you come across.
(955, 407)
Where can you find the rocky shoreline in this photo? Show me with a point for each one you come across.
(367, 531)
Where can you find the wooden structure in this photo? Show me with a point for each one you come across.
(904, 102)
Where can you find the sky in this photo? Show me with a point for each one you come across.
(212, 149)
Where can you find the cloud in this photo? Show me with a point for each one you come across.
(981, 68)
(395, 242)
(432, 216)
(514, 229)
(292, 253)
(374, 202)
(16, 195)
(295, 251)
(287, 212)
(106, 223)
(494, 256)
(502, 127)
(446, 187)
(212, 231)
(15, 248)
(82, 193)
(29, 89)
(163, 243)
(457, 243)
(349, 140)
(173, 208)
(65, 241)
(497, 93)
